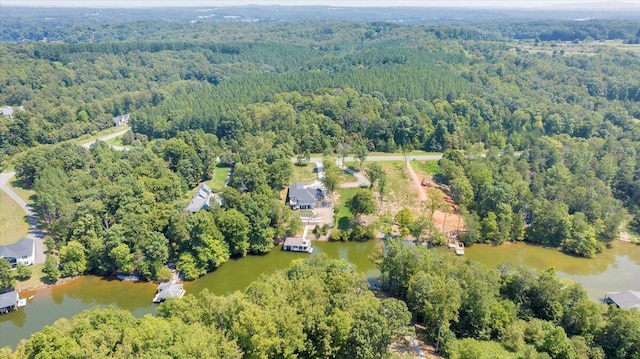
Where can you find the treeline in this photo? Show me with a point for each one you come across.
(558, 192)
(469, 311)
(318, 308)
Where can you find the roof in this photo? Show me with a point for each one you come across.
(121, 117)
(298, 191)
(626, 299)
(296, 241)
(9, 110)
(200, 199)
(8, 299)
(23, 247)
(169, 290)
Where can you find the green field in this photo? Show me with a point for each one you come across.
(305, 172)
(13, 224)
(94, 136)
(428, 168)
(219, 177)
(343, 214)
(27, 195)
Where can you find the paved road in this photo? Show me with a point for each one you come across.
(362, 181)
(107, 138)
(34, 233)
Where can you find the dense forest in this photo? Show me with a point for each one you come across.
(538, 123)
(557, 122)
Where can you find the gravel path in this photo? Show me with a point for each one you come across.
(107, 138)
(422, 194)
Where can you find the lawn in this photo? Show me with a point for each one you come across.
(13, 224)
(37, 279)
(343, 214)
(428, 168)
(115, 141)
(27, 195)
(94, 136)
(219, 177)
(305, 172)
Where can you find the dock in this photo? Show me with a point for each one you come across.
(298, 244)
(11, 301)
(457, 246)
(168, 290)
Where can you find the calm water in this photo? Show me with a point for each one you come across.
(616, 269)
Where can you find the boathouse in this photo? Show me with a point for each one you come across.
(624, 300)
(9, 301)
(297, 244)
(168, 290)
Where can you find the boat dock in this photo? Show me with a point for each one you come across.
(168, 290)
(457, 246)
(11, 301)
(298, 244)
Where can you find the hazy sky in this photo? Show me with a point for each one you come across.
(210, 3)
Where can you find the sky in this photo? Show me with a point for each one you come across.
(364, 3)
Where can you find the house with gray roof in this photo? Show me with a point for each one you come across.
(121, 120)
(8, 111)
(624, 300)
(200, 200)
(23, 252)
(301, 197)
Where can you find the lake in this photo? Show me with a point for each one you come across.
(616, 269)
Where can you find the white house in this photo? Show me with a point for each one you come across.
(301, 197)
(121, 120)
(23, 252)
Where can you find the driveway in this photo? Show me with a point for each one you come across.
(107, 138)
(34, 232)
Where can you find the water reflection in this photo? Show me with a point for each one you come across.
(616, 269)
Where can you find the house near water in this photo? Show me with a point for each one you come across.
(297, 244)
(10, 301)
(22, 252)
(624, 300)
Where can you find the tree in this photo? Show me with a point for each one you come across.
(51, 268)
(331, 180)
(362, 203)
(23, 272)
(6, 277)
(73, 261)
(123, 258)
(404, 218)
(360, 153)
(375, 173)
(235, 229)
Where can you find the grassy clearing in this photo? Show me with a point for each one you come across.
(428, 168)
(13, 224)
(38, 279)
(115, 141)
(304, 172)
(94, 136)
(219, 178)
(27, 195)
(343, 214)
